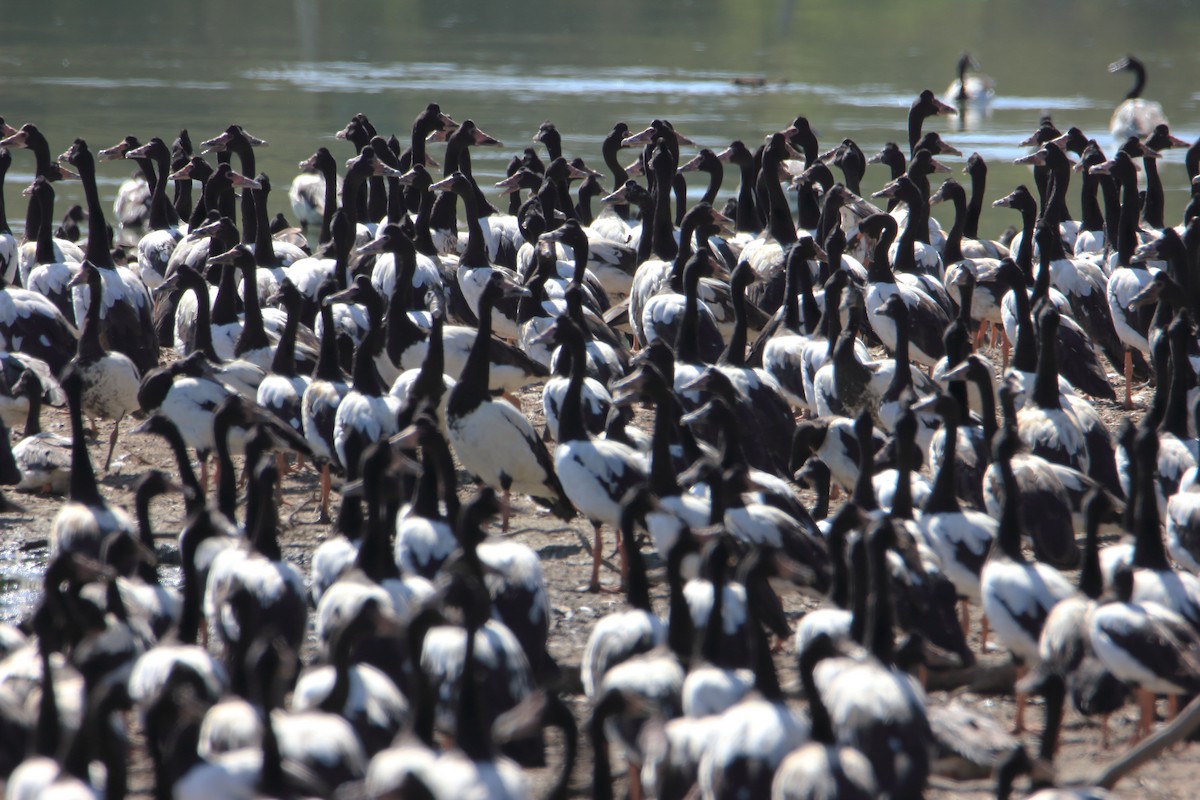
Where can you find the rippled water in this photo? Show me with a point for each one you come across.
(294, 72)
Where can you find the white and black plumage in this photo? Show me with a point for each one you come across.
(512, 574)
(14, 406)
(915, 258)
(595, 473)
(137, 595)
(1045, 427)
(366, 414)
(1136, 116)
(1065, 651)
(322, 396)
(493, 439)
(43, 458)
(86, 519)
(362, 694)
(156, 246)
(1183, 522)
(1045, 509)
(783, 353)
(8, 242)
(48, 274)
(927, 319)
(976, 89)
(650, 681)
(253, 590)
(823, 767)
(760, 525)
(474, 268)
(623, 635)
(313, 193)
(188, 393)
(755, 735)
(597, 400)
(873, 706)
(424, 536)
(406, 343)
(676, 508)
(29, 137)
(1145, 644)
(1017, 595)
(960, 539)
(1127, 279)
(498, 666)
(653, 276)
(282, 390)
(110, 378)
(1154, 580)
(126, 311)
(29, 323)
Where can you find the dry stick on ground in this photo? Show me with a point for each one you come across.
(1176, 731)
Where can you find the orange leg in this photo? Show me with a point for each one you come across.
(326, 486)
(983, 635)
(1128, 379)
(1022, 698)
(1146, 720)
(635, 783)
(980, 334)
(505, 511)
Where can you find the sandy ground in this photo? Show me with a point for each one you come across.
(567, 565)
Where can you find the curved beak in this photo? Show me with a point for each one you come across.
(1102, 169)
(347, 296)
(575, 173)
(939, 166)
(115, 152)
(1037, 158)
(618, 198)
(373, 246)
(483, 140)
(640, 138)
(182, 174)
(703, 411)
(943, 108)
(509, 185)
(407, 439)
(444, 185)
(1029, 141)
(408, 178)
(227, 257)
(888, 191)
(15, 140)
(1175, 141)
(1005, 202)
(726, 155)
(217, 144)
(876, 159)
(6, 130)
(139, 152)
(242, 182)
(636, 169)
